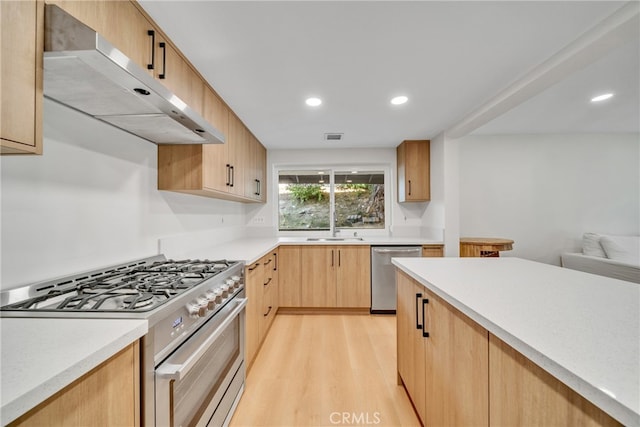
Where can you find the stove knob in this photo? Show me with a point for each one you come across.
(231, 284)
(225, 290)
(211, 298)
(193, 309)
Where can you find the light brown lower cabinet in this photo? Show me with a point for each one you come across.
(433, 250)
(442, 358)
(522, 393)
(109, 395)
(261, 287)
(460, 374)
(290, 289)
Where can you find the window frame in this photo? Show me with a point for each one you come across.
(361, 232)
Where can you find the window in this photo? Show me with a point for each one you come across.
(331, 200)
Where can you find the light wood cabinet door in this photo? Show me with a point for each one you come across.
(318, 268)
(237, 141)
(289, 276)
(109, 395)
(522, 393)
(253, 276)
(353, 281)
(177, 75)
(216, 156)
(255, 169)
(411, 343)
(413, 161)
(434, 251)
(275, 276)
(21, 50)
(261, 172)
(457, 366)
(270, 294)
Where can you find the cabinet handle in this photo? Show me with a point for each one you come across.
(268, 281)
(256, 265)
(163, 46)
(233, 176)
(425, 334)
(275, 264)
(409, 188)
(418, 325)
(228, 175)
(152, 34)
(268, 311)
(331, 257)
(257, 193)
(339, 261)
(268, 262)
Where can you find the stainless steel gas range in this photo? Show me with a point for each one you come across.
(192, 358)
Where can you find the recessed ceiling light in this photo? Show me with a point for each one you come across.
(399, 100)
(602, 97)
(313, 102)
(354, 171)
(321, 173)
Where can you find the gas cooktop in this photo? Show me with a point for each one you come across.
(137, 287)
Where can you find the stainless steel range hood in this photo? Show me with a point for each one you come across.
(85, 72)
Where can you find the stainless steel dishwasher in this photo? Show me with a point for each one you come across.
(383, 275)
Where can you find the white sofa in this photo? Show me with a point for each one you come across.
(607, 255)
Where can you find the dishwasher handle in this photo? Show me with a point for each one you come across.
(397, 251)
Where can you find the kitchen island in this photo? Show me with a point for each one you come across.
(582, 329)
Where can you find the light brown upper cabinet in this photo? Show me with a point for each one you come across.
(22, 44)
(211, 170)
(414, 171)
(255, 170)
(177, 75)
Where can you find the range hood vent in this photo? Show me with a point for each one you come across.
(82, 70)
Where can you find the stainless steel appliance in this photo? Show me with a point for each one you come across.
(383, 276)
(84, 71)
(192, 358)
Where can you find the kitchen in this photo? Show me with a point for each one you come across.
(103, 208)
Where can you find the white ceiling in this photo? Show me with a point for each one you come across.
(265, 58)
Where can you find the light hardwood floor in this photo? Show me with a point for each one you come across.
(326, 370)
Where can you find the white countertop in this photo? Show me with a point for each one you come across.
(250, 250)
(39, 357)
(582, 328)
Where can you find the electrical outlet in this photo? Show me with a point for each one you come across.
(258, 220)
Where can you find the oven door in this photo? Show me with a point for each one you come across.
(201, 382)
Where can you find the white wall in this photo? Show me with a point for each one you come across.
(91, 200)
(406, 218)
(544, 191)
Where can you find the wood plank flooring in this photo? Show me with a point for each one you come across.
(326, 370)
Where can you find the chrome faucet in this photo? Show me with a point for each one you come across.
(335, 225)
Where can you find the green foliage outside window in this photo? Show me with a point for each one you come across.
(304, 192)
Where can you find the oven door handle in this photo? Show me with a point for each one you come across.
(177, 372)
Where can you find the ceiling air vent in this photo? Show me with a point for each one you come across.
(333, 136)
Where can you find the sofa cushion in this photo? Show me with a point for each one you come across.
(622, 248)
(591, 245)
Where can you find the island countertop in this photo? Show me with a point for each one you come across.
(582, 328)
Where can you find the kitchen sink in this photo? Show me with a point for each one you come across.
(334, 239)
